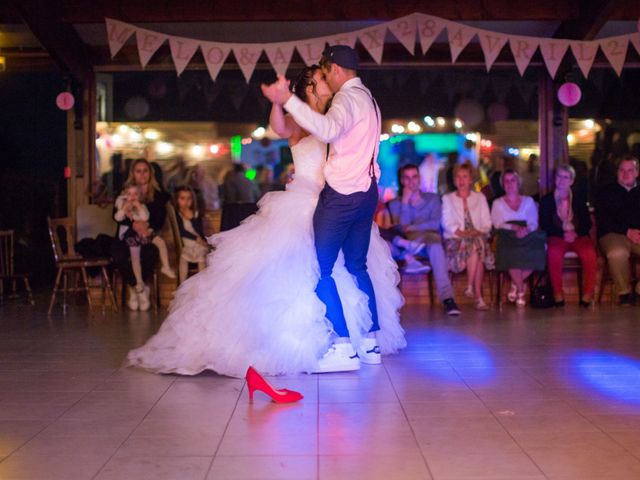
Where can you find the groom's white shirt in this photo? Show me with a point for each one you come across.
(352, 128)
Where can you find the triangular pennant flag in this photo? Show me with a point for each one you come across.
(459, 37)
(182, 50)
(214, 54)
(404, 29)
(492, 44)
(523, 49)
(553, 51)
(148, 43)
(615, 49)
(348, 38)
(585, 54)
(429, 28)
(373, 41)
(280, 55)
(311, 50)
(118, 33)
(634, 38)
(247, 55)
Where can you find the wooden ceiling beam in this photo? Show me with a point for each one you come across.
(59, 38)
(591, 18)
(141, 11)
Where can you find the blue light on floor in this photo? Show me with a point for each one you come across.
(613, 375)
(461, 352)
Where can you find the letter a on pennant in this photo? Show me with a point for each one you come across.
(459, 37)
(279, 55)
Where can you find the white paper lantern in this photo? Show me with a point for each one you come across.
(569, 94)
(470, 112)
(497, 112)
(136, 108)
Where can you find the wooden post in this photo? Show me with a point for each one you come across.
(81, 144)
(553, 123)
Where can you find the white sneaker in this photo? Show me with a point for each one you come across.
(369, 352)
(168, 272)
(143, 299)
(415, 268)
(415, 247)
(341, 357)
(133, 303)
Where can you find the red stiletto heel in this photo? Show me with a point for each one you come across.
(255, 381)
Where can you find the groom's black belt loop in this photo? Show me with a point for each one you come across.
(375, 109)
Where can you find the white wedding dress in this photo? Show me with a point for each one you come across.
(255, 302)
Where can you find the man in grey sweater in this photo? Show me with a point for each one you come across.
(416, 218)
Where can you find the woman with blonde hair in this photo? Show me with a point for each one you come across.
(466, 223)
(155, 201)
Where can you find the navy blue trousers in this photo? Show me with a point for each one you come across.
(344, 222)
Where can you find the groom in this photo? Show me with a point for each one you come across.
(343, 217)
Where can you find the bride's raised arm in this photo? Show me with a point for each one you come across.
(284, 125)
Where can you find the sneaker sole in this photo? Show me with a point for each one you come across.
(377, 361)
(338, 369)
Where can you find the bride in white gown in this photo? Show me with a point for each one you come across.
(255, 302)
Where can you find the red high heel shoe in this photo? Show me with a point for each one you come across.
(255, 381)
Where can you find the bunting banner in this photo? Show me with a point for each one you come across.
(182, 50)
(553, 51)
(148, 43)
(427, 29)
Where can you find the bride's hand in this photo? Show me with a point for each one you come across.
(278, 92)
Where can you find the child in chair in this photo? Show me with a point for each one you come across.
(194, 247)
(129, 209)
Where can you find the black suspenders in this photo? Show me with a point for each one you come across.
(375, 109)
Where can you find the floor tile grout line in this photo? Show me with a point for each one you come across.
(501, 424)
(133, 429)
(608, 435)
(54, 420)
(224, 432)
(406, 416)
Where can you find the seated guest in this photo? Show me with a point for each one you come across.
(618, 215)
(466, 222)
(155, 201)
(415, 217)
(564, 216)
(520, 246)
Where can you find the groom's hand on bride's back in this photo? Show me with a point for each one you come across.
(277, 92)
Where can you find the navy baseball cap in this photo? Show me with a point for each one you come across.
(342, 55)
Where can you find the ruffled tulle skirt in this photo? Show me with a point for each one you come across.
(255, 302)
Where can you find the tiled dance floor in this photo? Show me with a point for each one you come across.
(512, 395)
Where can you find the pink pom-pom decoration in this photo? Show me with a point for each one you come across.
(569, 94)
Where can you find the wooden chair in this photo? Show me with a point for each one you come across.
(570, 262)
(428, 275)
(63, 238)
(606, 280)
(7, 271)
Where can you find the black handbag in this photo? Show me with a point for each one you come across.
(542, 292)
